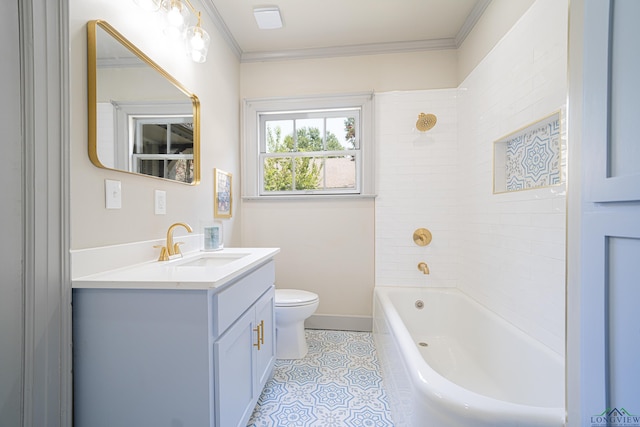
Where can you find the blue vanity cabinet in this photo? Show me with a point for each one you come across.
(244, 356)
(173, 356)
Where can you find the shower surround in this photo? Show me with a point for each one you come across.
(506, 251)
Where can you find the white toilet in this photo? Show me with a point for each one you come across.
(293, 306)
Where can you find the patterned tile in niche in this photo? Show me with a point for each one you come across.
(338, 384)
(533, 155)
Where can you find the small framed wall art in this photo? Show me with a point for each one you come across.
(222, 199)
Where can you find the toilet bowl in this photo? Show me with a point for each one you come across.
(292, 307)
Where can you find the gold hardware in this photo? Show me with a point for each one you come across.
(423, 267)
(426, 122)
(261, 332)
(260, 335)
(171, 248)
(163, 253)
(422, 237)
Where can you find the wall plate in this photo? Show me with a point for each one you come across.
(112, 194)
(160, 202)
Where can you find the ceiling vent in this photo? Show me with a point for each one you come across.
(268, 18)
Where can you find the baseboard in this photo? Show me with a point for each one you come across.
(339, 323)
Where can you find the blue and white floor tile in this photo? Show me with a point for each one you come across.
(338, 384)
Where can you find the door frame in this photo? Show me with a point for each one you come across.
(44, 64)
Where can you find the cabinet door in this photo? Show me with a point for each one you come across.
(235, 372)
(266, 355)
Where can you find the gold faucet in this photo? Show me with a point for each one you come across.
(172, 248)
(423, 267)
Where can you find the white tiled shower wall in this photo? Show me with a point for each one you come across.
(417, 187)
(504, 250)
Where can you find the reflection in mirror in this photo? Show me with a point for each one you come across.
(141, 120)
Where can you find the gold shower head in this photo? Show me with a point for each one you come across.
(426, 122)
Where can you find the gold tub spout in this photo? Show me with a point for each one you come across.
(423, 267)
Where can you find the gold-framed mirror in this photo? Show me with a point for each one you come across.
(141, 119)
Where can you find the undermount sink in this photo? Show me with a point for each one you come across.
(212, 260)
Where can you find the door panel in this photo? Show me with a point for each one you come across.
(612, 65)
(623, 319)
(624, 149)
(610, 288)
(234, 372)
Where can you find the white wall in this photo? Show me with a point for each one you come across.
(216, 83)
(344, 274)
(417, 187)
(505, 250)
(327, 246)
(512, 247)
(496, 20)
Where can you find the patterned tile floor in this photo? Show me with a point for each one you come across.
(338, 384)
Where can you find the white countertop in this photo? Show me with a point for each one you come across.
(175, 274)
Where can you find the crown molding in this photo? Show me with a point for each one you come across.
(350, 50)
(219, 23)
(470, 22)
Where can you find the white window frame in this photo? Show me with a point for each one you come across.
(125, 125)
(254, 143)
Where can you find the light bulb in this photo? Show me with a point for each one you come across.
(197, 56)
(174, 16)
(197, 43)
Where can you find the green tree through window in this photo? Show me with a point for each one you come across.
(278, 174)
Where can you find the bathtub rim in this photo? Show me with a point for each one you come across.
(441, 392)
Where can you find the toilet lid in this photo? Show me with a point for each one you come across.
(292, 297)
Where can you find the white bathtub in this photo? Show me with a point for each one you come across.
(476, 369)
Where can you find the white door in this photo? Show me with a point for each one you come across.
(610, 264)
(11, 277)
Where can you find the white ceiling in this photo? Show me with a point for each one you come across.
(344, 27)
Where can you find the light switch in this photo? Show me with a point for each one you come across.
(113, 194)
(161, 202)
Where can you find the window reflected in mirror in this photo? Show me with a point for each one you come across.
(141, 120)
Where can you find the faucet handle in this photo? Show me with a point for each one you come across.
(422, 266)
(164, 256)
(176, 248)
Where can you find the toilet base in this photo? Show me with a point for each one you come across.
(291, 342)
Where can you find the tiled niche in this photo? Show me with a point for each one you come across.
(528, 158)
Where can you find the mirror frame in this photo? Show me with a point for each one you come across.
(92, 86)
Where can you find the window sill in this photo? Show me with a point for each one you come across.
(308, 197)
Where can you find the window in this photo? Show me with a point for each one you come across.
(308, 147)
(163, 147)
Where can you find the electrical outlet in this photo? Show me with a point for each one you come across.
(113, 194)
(161, 202)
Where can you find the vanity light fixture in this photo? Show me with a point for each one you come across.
(268, 18)
(176, 15)
(197, 42)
